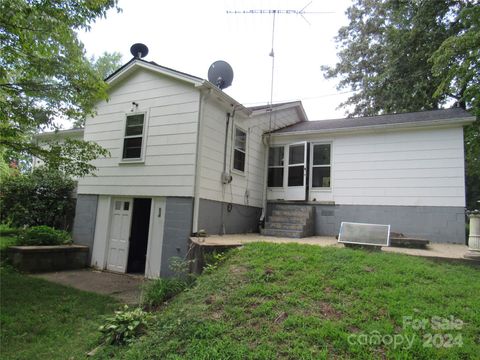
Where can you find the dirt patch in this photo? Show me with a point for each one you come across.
(280, 318)
(329, 311)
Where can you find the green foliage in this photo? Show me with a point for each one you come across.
(43, 235)
(124, 326)
(291, 301)
(157, 292)
(213, 260)
(7, 230)
(42, 197)
(44, 74)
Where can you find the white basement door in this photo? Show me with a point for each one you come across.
(119, 235)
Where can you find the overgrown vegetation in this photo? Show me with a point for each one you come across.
(272, 301)
(43, 235)
(42, 197)
(157, 292)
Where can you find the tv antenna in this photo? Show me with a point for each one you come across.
(302, 12)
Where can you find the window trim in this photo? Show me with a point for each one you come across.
(233, 169)
(312, 146)
(277, 166)
(140, 159)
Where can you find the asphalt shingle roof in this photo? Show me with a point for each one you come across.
(391, 119)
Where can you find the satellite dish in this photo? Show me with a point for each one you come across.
(220, 73)
(139, 50)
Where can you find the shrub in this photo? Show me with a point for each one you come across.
(124, 326)
(44, 235)
(42, 197)
(6, 230)
(156, 292)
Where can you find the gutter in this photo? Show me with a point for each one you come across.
(403, 126)
(196, 187)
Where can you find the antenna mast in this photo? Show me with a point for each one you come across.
(274, 12)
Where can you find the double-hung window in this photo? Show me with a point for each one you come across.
(134, 136)
(321, 166)
(239, 150)
(275, 166)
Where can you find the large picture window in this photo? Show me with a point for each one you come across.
(239, 150)
(321, 166)
(133, 140)
(275, 166)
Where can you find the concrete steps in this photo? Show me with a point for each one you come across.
(290, 220)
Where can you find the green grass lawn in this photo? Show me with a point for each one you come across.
(43, 320)
(270, 301)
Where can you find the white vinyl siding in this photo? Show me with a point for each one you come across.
(246, 188)
(171, 120)
(417, 167)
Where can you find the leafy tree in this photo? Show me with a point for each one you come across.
(41, 197)
(44, 76)
(107, 63)
(407, 55)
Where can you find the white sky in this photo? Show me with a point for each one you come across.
(189, 35)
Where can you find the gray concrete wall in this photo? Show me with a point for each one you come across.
(214, 216)
(177, 230)
(84, 223)
(435, 223)
(440, 224)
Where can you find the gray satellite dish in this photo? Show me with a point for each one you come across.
(139, 50)
(220, 73)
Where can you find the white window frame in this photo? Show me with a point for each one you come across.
(140, 159)
(312, 145)
(240, 172)
(277, 166)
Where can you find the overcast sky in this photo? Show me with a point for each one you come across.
(189, 35)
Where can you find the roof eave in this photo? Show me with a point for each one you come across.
(224, 97)
(370, 128)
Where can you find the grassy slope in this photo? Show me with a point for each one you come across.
(300, 302)
(43, 320)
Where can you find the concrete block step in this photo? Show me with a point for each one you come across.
(284, 226)
(291, 213)
(292, 207)
(287, 219)
(283, 233)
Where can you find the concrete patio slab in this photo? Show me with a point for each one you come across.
(125, 288)
(433, 250)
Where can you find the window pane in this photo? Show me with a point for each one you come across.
(239, 160)
(240, 139)
(321, 154)
(132, 148)
(118, 205)
(295, 176)
(275, 156)
(321, 177)
(296, 154)
(134, 125)
(126, 205)
(275, 177)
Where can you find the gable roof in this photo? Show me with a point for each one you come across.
(422, 118)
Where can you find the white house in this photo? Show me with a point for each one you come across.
(186, 157)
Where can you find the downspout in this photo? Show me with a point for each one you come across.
(266, 143)
(196, 187)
